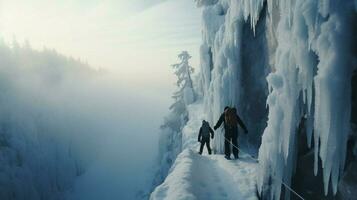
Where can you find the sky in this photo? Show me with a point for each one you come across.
(135, 42)
(138, 39)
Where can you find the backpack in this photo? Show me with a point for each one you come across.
(205, 130)
(230, 117)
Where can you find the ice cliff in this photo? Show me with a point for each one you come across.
(289, 67)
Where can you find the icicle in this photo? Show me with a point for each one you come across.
(324, 7)
(333, 89)
(305, 39)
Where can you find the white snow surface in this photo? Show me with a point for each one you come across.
(195, 176)
(208, 177)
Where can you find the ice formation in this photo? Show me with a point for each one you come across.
(293, 57)
(229, 72)
(311, 36)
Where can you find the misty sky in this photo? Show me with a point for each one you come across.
(136, 41)
(137, 38)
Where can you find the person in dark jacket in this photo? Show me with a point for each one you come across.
(204, 136)
(231, 120)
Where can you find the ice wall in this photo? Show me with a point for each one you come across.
(307, 48)
(310, 34)
(230, 69)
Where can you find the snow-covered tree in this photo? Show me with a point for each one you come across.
(170, 135)
(183, 71)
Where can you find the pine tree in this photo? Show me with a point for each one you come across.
(183, 71)
(171, 130)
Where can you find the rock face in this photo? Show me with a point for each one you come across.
(354, 98)
(348, 184)
(305, 182)
(347, 188)
(254, 89)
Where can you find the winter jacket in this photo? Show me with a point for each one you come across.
(233, 131)
(205, 132)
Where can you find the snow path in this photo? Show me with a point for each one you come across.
(233, 179)
(196, 177)
(208, 177)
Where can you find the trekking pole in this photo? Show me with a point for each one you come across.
(281, 181)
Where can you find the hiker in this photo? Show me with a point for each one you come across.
(204, 136)
(230, 119)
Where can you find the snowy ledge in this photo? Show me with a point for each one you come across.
(193, 176)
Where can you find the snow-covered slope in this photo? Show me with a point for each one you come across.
(295, 58)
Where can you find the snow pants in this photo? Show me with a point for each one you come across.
(227, 146)
(207, 142)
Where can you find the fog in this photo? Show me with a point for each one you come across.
(82, 129)
(126, 158)
(72, 130)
